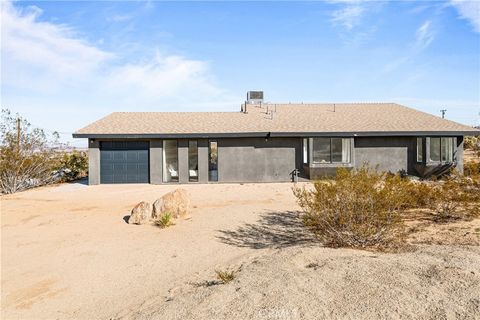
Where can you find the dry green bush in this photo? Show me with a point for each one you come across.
(360, 208)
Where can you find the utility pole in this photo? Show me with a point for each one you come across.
(18, 134)
(443, 113)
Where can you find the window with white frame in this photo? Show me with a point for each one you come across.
(331, 150)
(441, 149)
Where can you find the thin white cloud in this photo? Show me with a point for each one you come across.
(44, 57)
(49, 67)
(162, 76)
(48, 50)
(419, 8)
(120, 17)
(468, 10)
(349, 16)
(424, 36)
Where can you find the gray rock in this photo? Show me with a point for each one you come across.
(176, 203)
(141, 213)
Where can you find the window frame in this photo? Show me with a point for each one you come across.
(450, 145)
(452, 156)
(305, 150)
(329, 153)
(420, 143)
(190, 177)
(331, 162)
(164, 164)
(211, 176)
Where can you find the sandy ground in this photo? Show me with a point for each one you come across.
(67, 253)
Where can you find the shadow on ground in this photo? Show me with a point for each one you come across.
(273, 230)
(81, 181)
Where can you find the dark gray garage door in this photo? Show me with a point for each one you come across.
(124, 162)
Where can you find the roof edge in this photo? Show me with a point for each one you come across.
(276, 134)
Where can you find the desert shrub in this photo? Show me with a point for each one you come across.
(27, 155)
(456, 197)
(404, 192)
(225, 276)
(421, 194)
(360, 208)
(472, 142)
(471, 169)
(72, 165)
(165, 220)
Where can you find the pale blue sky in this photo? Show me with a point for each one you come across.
(66, 64)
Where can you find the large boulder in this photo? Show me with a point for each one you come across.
(141, 213)
(176, 203)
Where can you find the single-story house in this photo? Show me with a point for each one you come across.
(267, 142)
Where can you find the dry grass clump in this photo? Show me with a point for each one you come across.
(363, 208)
(165, 220)
(225, 276)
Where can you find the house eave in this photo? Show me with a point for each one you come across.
(272, 134)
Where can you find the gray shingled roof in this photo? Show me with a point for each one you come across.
(281, 119)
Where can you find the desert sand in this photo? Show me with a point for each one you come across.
(67, 253)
